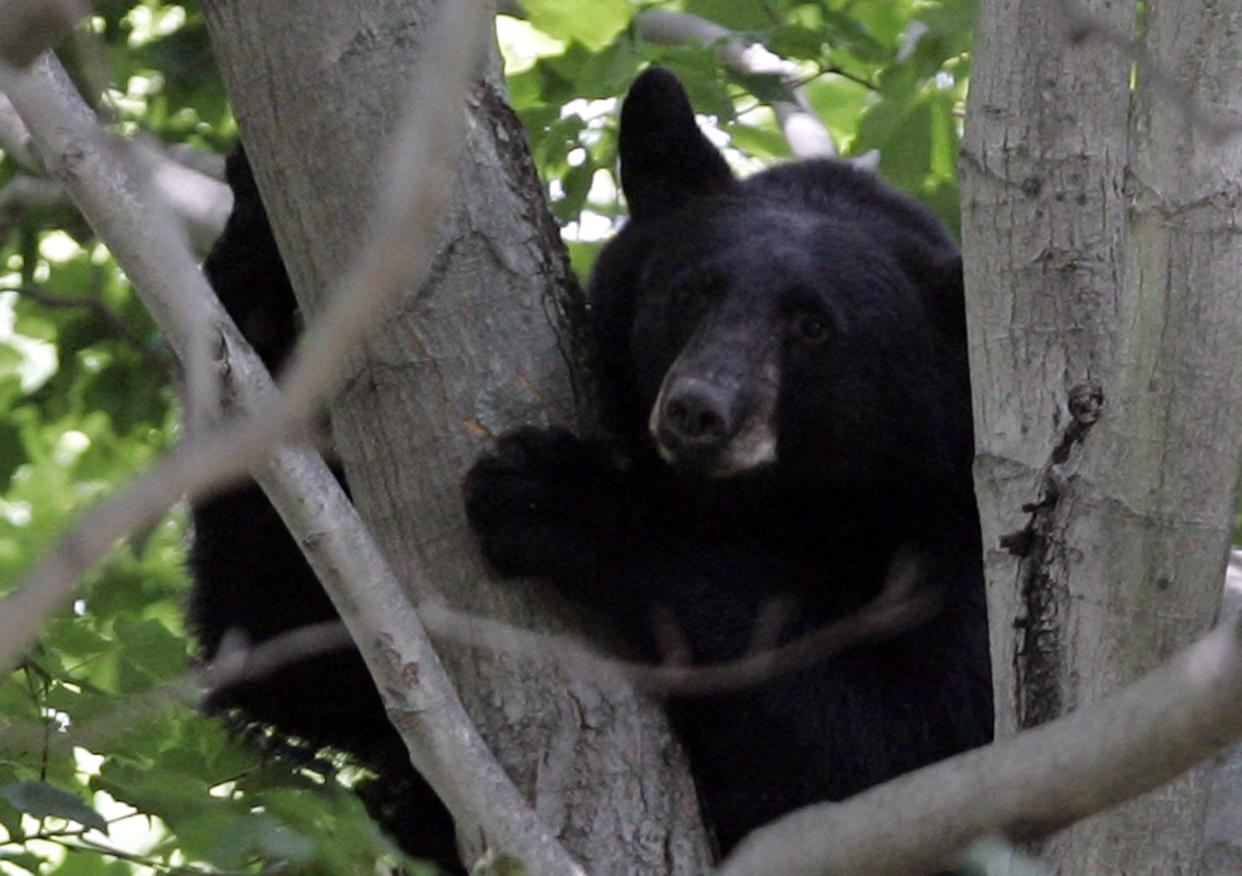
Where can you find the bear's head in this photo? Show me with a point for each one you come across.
(803, 324)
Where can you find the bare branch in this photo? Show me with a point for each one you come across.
(1026, 786)
(806, 134)
(207, 163)
(201, 201)
(115, 323)
(899, 607)
(29, 27)
(236, 663)
(15, 138)
(444, 744)
(188, 181)
(26, 194)
(99, 173)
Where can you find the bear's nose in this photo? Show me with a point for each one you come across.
(696, 418)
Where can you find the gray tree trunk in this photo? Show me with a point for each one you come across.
(1102, 255)
(487, 344)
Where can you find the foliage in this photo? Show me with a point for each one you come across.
(105, 768)
(886, 76)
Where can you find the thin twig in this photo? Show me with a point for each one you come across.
(23, 195)
(899, 607)
(858, 79)
(44, 298)
(236, 663)
(86, 844)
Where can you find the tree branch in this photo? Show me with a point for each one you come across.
(28, 27)
(898, 607)
(26, 194)
(189, 181)
(235, 663)
(806, 134)
(15, 138)
(99, 173)
(201, 201)
(60, 302)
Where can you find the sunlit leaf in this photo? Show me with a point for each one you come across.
(41, 800)
(567, 20)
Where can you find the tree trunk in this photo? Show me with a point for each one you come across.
(1101, 251)
(488, 343)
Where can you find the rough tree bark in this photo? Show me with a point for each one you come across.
(485, 345)
(1102, 250)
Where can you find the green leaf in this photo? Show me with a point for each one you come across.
(566, 20)
(170, 795)
(576, 184)
(26, 860)
(41, 800)
(232, 839)
(84, 862)
(150, 647)
(582, 256)
(840, 103)
(759, 142)
(848, 33)
(742, 15)
(74, 637)
(794, 41)
(11, 821)
(595, 75)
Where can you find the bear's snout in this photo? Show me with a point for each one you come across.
(697, 418)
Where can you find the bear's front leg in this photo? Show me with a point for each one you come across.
(549, 504)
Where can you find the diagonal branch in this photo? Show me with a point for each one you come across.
(101, 174)
(899, 606)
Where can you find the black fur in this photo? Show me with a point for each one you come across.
(817, 299)
(250, 576)
(873, 442)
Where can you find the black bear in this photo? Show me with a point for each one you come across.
(783, 371)
(250, 576)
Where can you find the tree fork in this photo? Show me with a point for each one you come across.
(479, 348)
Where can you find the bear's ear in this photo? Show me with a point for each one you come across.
(665, 159)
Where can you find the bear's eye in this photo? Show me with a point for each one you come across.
(813, 327)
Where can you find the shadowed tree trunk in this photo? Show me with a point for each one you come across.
(488, 343)
(1102, 256)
